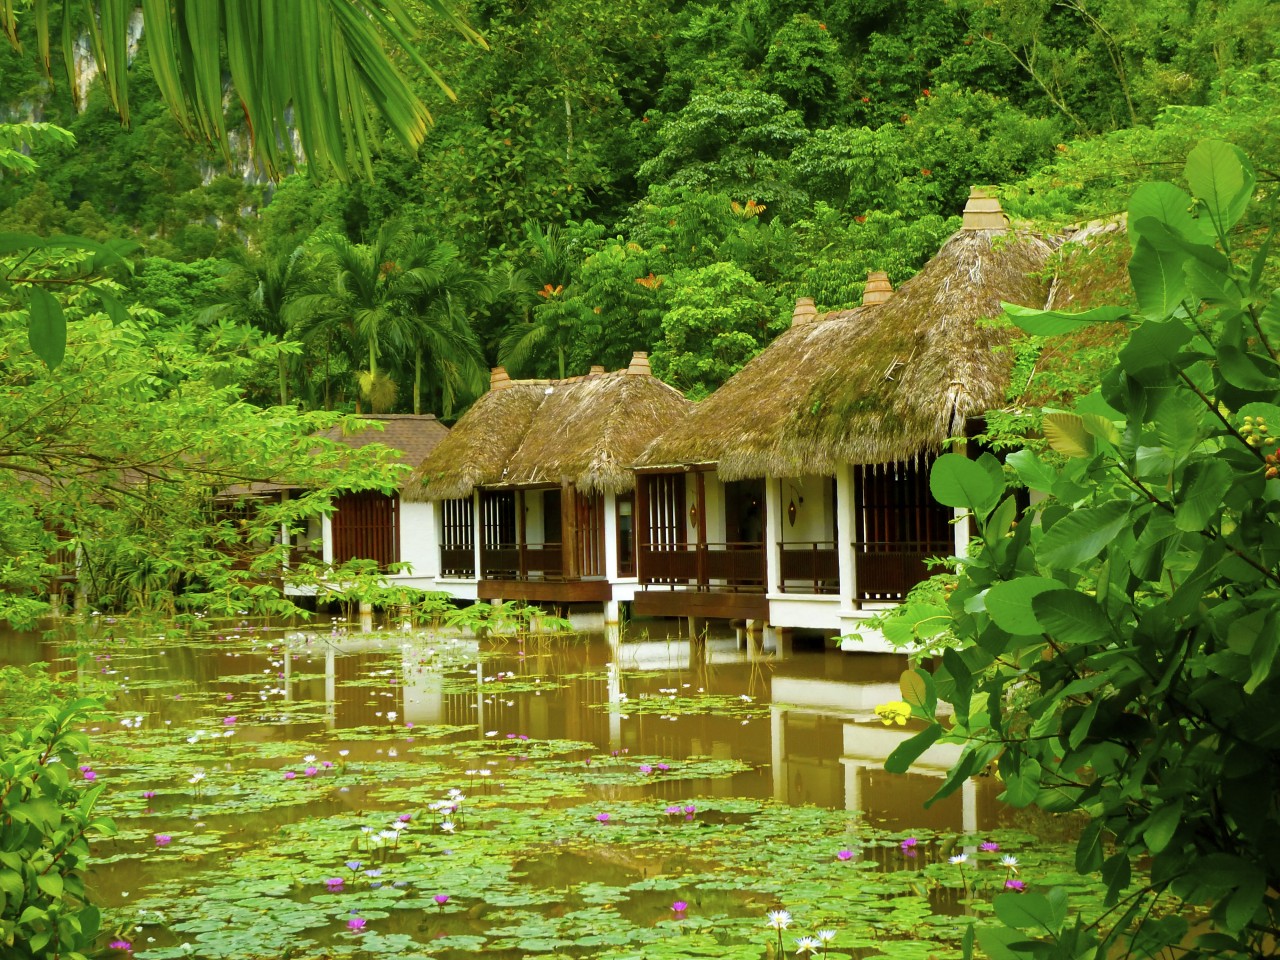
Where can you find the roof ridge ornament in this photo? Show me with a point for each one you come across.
(983, 212)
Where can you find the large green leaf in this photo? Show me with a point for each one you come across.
(1067, 434)
(918, 691)
(1221, 176)
(957, 481)
(1160, 827)
(46, 327)
(1262, 657)
(1028, 911)
(1082, 534)
(907, 752)
(1152, 348)
(1050, 323)
(1159, 279)
(1248, 371)
(1203, 486)
(1168, 205)
(1008, 603)
(1071, 617)
(1034, 473)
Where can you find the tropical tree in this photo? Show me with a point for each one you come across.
(363, 302)
(1113, 651)
(440, 290)
(540, 287)
(259, 290)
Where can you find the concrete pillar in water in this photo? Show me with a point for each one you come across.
(613, 677)
(366, 616)
(613, 623)
(852, 786)
(330, 687)
(969, 806)
(782, 639)
(778, 639)
(778, 744)
(755, 644)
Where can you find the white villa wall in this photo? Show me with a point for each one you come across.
(814, 509)
(419, 546)
(535, 516)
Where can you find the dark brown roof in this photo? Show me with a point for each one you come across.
(411, 436)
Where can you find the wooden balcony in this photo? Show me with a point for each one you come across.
(887, 571)
(522, 561)
(458, 560)
(809, 567)
(734, 567)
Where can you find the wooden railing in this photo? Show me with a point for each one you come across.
(458, 560)
(886, 571)
(703, 566)
(522, 561)
(809, 567)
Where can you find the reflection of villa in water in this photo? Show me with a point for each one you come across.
(824, 744)
(829, 747)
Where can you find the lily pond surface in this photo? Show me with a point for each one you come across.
(321, 793)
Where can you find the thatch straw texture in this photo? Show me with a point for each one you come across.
(876, 384)
(478, 447)
(583, 431)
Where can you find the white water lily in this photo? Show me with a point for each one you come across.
(826, 936)
(806, 944)
(779, 919)
(959, 858)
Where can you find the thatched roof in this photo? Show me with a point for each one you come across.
(410, 436)
(876, 384)
(1091, 270)
(584, 431)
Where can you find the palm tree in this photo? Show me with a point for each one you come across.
(441, 291)
(369, 286)
(540, 287)
(315, 65)
(261, 290)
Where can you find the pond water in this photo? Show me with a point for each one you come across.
(323, 793)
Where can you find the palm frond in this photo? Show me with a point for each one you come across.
(317, 64)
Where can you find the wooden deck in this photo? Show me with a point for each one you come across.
(721, 605)
(554, 591)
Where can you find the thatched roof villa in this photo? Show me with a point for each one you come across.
(829, 432)
(878, 383)
(582, 431)
(367, 524)
(533, 484)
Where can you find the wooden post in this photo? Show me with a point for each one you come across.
(570, 548)
(640, 526)
(523, 562)
(700, 497)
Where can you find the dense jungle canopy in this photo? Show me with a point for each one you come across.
(659, 175)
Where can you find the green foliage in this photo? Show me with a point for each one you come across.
(732, 141)
(719, 319)
(804, 67)
(136, 430)
(48, 823)
(1118, 642)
